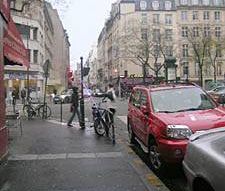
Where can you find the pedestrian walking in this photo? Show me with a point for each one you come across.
(74, 106)
(23, 95)
(14, 93)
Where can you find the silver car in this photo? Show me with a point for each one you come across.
(204, 162)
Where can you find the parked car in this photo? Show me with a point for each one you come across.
(65, 97)
(204, 162)
(216, 92)
(162, 118)
(87, 92)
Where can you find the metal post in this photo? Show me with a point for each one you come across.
(46, 82)
(61, 111)
(82, 117)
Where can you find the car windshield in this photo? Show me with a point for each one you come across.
(181, 99)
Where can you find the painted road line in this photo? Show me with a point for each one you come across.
(30, 157)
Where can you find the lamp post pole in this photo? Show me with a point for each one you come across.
(82, 117)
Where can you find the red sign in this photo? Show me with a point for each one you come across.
(14, 49)
(5, 9)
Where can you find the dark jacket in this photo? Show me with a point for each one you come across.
(75, 99)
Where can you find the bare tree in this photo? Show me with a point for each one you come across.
(147, 47)
(199, 41)
(214, 50)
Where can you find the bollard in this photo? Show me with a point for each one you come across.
(61, 102)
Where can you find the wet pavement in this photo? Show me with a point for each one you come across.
(51, 157)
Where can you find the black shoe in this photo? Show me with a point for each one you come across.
(69, 125)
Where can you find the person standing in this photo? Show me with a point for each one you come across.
(74, 106)
(14, 93)
(23, 95)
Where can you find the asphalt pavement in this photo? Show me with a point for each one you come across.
(49, 156)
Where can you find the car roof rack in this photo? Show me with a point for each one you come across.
(169, 83)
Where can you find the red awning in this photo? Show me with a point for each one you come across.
(4, 9)
(14, 49)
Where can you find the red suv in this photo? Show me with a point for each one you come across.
(162, 118)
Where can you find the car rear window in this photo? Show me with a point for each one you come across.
(181, 99)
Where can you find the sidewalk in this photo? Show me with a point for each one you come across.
(52, 157)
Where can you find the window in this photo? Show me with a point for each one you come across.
(35, 33)
(218, 32)
(169, 34)
(156, 34)
(217, 2)
(185, 69)
(144, 18)
(158, 67)
(13, 4)
(184, 16)
(208, 69)
(168, 5)
(195, 15)
(219, 51)
(156, 50)
(206, 31)
(184, 32)
(35, 57)
(217, 15)
(155, 5)
(183, 2)
(195, 31)
(206, 15)
(169, 51)
(205, 2)
(196, 69)
(185, 50)
(194, 2)
(143, 5)
(156, 18)
(219, 68)
(144, 34)
(168, 19)
(24, 31)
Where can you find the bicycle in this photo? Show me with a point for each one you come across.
(104, 121)
(41, 110)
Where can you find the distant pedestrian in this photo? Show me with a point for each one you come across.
(23, 95)
(74, 106)
(14, 94)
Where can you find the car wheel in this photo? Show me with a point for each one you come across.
(131, 135)
(155, 157)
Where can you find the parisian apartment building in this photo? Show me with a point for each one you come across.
(168, 27)
(42, 31)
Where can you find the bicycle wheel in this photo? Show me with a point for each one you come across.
(44, 111)
(99, 127)
(28, 111)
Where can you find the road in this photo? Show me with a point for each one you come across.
(174, 178)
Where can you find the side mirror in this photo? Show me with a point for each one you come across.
(144, 110)
(221, 99)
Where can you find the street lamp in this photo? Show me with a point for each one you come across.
(82, 117)
(170, 69)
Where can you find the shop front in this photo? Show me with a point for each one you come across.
(12, 52)
(4, 18)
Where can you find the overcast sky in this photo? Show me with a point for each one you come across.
(84, 20)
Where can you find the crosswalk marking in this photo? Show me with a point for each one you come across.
(32, 157)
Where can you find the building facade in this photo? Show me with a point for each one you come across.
(30, 24)
(61, 52)
(163, 28)
(46, 39)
